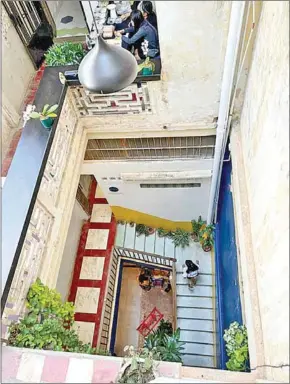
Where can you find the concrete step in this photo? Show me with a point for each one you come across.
(198, 349)
(194, 302)
(196, 336)
(195, 325)
(195, 313)
(202, 279)
(198, 290)
(194, 252)
(198, 361)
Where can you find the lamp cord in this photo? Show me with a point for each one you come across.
(94, 21)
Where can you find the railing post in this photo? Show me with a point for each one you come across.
(173, 286)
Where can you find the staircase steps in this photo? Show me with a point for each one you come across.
(195, 307)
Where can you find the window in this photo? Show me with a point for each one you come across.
(154, 148)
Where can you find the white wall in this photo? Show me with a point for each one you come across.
(17, 72)
(177, 204)
(264, 130)
(70, 251)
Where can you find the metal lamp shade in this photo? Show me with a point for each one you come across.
(107, 69)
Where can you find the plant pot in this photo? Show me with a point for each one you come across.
(147, 71)
(151, 231)
(206, 248)
(194, 237)
(132, 224)
(47, 123)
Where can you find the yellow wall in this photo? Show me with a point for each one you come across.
(153, 221)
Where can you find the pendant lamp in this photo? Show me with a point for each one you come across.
(107, 68)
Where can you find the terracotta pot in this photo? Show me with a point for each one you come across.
(194, 237)
(206, 248)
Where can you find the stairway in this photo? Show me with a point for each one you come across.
(195, 307)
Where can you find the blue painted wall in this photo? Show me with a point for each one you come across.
(227, 284)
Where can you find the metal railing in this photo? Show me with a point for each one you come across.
(119, 254)
(109, 303)
(145, 257)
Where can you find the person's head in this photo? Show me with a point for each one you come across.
(147, 8)
(137, 18)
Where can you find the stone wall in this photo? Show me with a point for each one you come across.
(17, 72)
(263, 136)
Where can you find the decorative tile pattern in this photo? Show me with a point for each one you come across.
(131, 100)
(30, 369)
(85, 330)
(87, 300)
(101, 213)
(92, 268)
(80, 371)
(97, 239)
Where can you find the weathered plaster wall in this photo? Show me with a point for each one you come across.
(17, 71)
(193, 36)
(70, 250)
(264, 129)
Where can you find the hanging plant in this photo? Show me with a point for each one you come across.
(132, 224)
(121, 222)
(206, 237)
(196, 226)
(181, 238)
(161, 232)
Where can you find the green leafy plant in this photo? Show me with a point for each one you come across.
(196, 226)
(162, 232)
(181, 238)
(48, 324)
(206, 237)
(142, 229)
(139, 369)
(165, 344)
(147, 64)
(47, 112)
(236, 339)
(165, 327)
(66, 53)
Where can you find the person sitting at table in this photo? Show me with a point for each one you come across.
(125, 15)
(148, 13)
(143, 31)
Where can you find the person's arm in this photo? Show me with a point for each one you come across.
(128, 30)
(141, 33)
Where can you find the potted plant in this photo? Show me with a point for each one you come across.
(206, 237)
(181, 238)
(139, 367)
(46, 116)
(121, 222)
(161, 232)
(147, 67)
(150, 231)
(132, 224)
(236, 339)
(66, 53)
(196, 226)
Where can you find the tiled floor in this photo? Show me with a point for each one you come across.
(134, 305)
(91, 268)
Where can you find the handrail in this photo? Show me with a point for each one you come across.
(174, 305)
(144, 256)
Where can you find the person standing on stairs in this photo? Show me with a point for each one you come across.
(191, 271)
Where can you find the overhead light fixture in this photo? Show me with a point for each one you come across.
(107, 68)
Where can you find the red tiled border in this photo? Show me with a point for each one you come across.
(82, 252)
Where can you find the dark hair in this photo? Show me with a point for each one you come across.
(137, 18)
(147, 7)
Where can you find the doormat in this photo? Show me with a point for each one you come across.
(150, 322)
